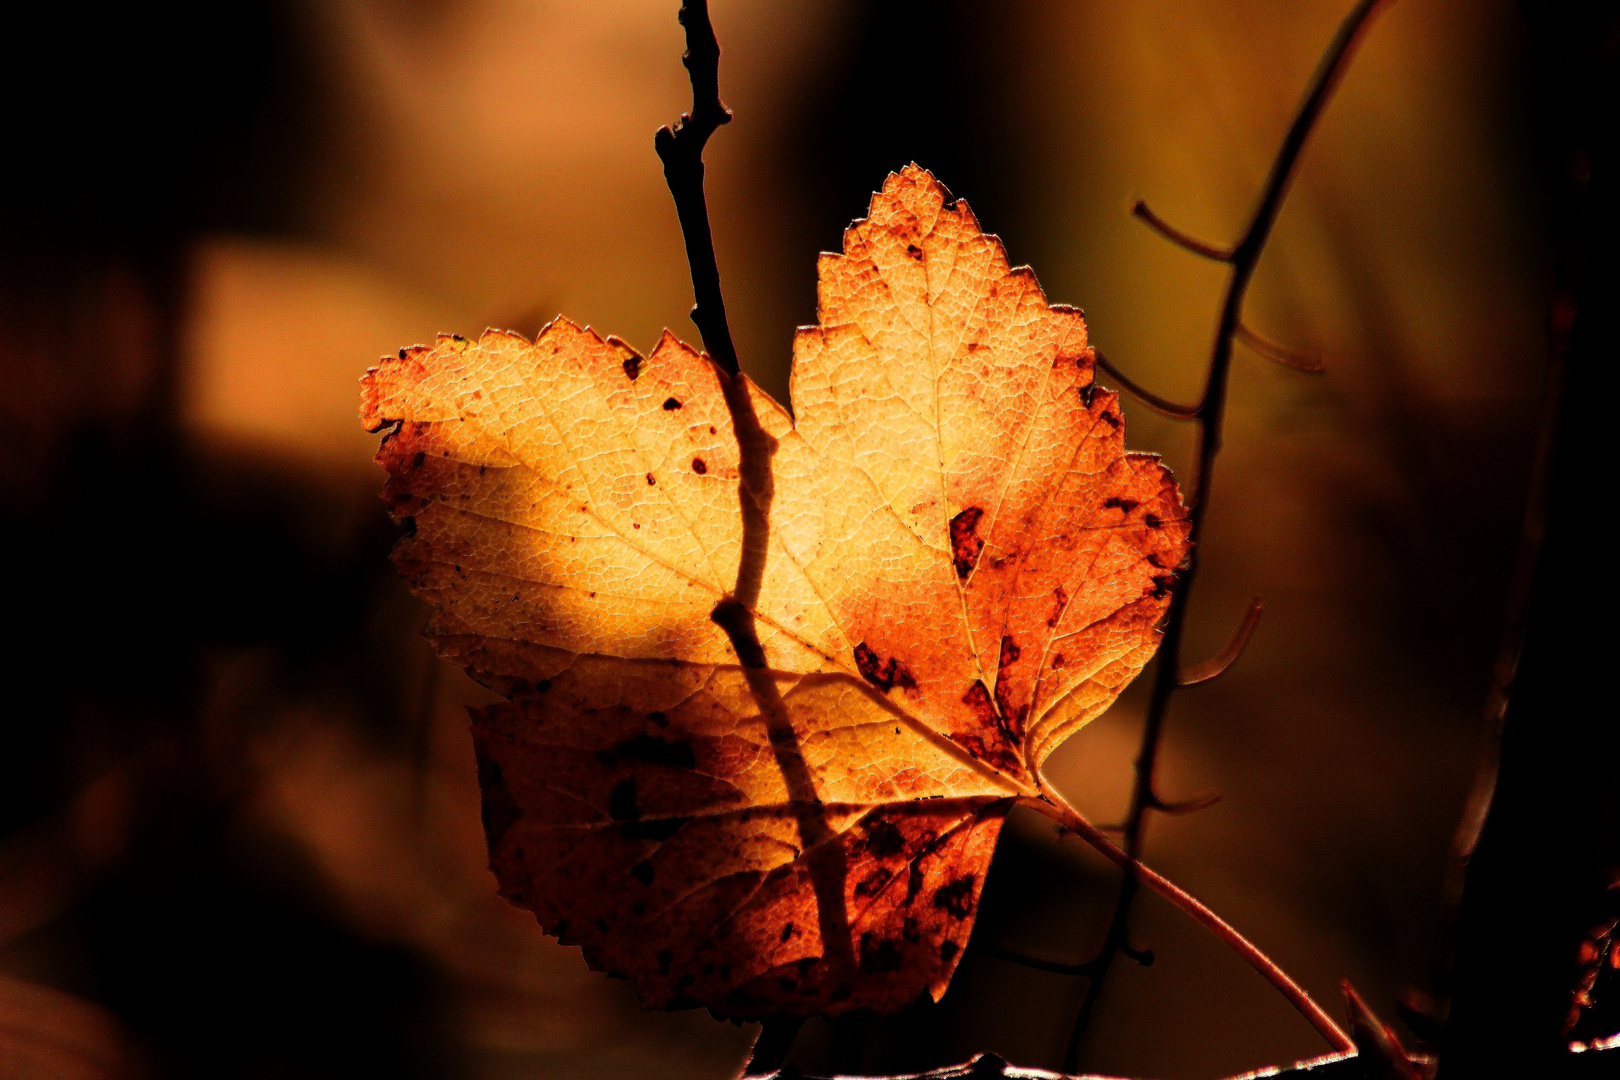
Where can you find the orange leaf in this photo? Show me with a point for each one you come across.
(954, 565)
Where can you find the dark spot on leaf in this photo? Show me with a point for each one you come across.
(914, 251)
(787, 931)
(643, 872)
(632, 367)
(957, 898)
(1161, 585)
(1117, 503)
(622, 801)
(1010, 652)
(1087, 392)
(872, 883)
(885, 675)
(402, 353)
(635, 525)
(711, 429)
(977, 699)
(670, 404)
(1062, 599)
(543, 685)
(948, 950)
(965, 542)
(659, 829)
(650, 480)
(878, 956)
(699, 466)
(1152, 521)
(416, 462)
(884, 839)
(646, 747)
(500, 809)
(1058, 661)
(658, 718)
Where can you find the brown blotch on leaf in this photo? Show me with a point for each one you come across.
(671, 404)
(956, 899)
(878, 955)
(1161, 585)
(914, 251)
(1117, 503)
(1152, 521)
(699, 466)
(632, 367)
(1061, 599)
(883, 674)
(965, 542)
(883, 839)
(500, 810)
(650, 480)
(1110, 418)
(658, 751)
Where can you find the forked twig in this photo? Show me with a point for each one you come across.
(1210, 414)
(680, 148)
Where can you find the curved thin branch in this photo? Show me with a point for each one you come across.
(1262, 346)
(1075, 822)
(1184, 806)
(1142, 212)
(1217, 666)
(1148, 397)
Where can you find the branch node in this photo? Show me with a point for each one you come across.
(1217, 666)
(1143, 213)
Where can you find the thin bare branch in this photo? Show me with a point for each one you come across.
(1055, 808)
(1209, 251)
(681, 149)
(1217, 665)
(1262, 346)
(1210, 414)
(1148, 397)
(1184, 806)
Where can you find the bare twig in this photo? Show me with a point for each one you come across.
(1060, 811)
(681, 149)
(1210, 414)
(1263, 346)
(1216, 666)
(1176, 236)
(1152, 400)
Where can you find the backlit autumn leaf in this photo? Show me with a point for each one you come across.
(945, 566)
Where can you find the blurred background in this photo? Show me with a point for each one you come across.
(238, 812)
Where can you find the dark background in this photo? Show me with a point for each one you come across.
(238, 816)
